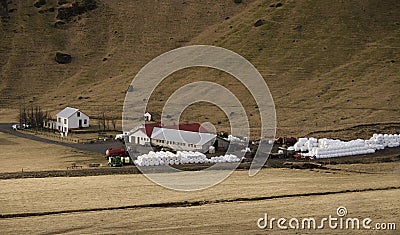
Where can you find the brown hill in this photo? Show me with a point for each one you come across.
(328, 64)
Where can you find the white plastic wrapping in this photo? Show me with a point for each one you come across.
(181, 157)
(329, 148)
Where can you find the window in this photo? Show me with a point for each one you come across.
(85, 121)
(65, 121)
(59, 120)
(78, 114)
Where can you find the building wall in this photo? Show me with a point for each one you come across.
(180, 146)
(222, 144)
(73, 121)
(147, 117)
(139, 137)
(207, 145)
(64, 124)
(50, 124)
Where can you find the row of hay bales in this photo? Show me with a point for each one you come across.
(330, 148)
(181, 157)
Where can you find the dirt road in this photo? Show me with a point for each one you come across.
(99, 147)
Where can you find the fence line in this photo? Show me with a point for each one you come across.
(59, 137)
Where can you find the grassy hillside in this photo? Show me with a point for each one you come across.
(108, 46)
(328, 64)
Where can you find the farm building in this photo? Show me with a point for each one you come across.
(71, 118)
(142, 134)
(221, 143)
(50, 124)
(182, 140)
(147, 117)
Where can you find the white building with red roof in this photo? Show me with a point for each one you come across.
(186, 137)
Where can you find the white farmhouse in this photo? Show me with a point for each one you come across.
(70, 118)
(182, 140)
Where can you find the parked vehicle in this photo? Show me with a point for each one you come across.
(26, 126)
(16, 127)
(118, 157)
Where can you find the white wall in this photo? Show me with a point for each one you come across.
(180, 146)
(139, 137)
(62, 124)
(147, 117)
(72, 122)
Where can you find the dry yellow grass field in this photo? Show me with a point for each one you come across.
(19, 153)
(63, 194)
(224, 218)
(231, 207)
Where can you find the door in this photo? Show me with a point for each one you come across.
(138, 140)
(80, 123)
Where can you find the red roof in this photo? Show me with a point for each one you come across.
(192, 127)
(150, 126)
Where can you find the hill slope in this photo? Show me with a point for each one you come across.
(108, 46)
(328, 64)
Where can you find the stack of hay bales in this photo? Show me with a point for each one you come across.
(335, 148)
(305, 144)
(181, 157)
(329, 148)
(232, 138)
(381, 141)
(225, 158)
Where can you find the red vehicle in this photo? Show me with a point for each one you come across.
(121, 152)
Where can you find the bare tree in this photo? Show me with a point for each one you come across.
(22, 116)
(39, 117)
(30, 117)
(103, 120)
(114, 123)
